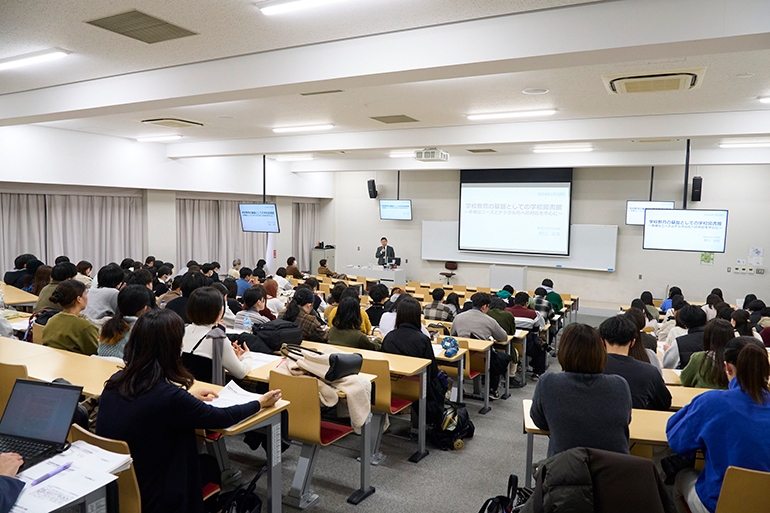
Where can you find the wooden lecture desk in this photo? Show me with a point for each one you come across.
(17, 297)
(262, 374)
(46, 364)
(681, 396)
(648, 427)
(672, 377)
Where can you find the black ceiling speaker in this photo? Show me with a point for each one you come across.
(697, 188)
(372, 189)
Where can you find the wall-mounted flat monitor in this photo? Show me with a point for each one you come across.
(396, 210)
(635, 210)
(685, 230)
(259, 217)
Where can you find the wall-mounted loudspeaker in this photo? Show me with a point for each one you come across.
(697, 188)
(372, 189)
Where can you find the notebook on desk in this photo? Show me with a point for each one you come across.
(37, 419)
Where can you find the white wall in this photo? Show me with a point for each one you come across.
(599, 197)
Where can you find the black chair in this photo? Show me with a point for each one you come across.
(450, 267)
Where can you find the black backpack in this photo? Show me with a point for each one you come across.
(454, 427)
(243, 499)
(270, 336)
(511, 502)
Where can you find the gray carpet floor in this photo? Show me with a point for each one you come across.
(451, 481)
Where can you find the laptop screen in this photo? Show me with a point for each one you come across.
(40, 410)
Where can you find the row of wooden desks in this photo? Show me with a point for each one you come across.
(46, 364)
(17, 297)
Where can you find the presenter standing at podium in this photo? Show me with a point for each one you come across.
(384, 252)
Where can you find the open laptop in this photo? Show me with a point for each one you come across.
(37, 419)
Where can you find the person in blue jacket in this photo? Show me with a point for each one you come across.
(729, 426)
(10, 487)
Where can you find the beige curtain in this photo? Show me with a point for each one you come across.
(306, 226)
(22, 227)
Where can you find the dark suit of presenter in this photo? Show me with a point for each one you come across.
(383, 253)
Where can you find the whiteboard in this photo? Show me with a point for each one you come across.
(593, 247)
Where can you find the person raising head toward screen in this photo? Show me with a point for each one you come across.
(384, 252)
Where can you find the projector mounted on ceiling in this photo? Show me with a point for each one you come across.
(431, 155)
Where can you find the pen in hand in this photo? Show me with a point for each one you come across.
(51, 474)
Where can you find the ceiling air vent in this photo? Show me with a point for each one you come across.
(482, 150)
(400, 118)
(677, 80)
(172, 122)
(142, 27)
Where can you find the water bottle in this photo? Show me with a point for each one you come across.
(2, 299)
(163, 303)
(247, 323)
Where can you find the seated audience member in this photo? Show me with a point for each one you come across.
(127, 264)
(280, 278)
(725, 312)
(530, 320)
(323, 270)
(755, 309)
(149, 261)
(394, 293)
(300, 311)
(763, 324)
(334, 298)
(646, 298)
(388, 319)
(160, 280)
(748, 299)
(59, 274)
(205, 309)
(552, 296)
(648, 390)
(15, 278)
(378, 294)
(103, 300)
(475, 323)
(650, 319)
(141, 277)
(366, 324)
(718, 292)
(665, 328)
(190, 281)
(228, 317)
(318, 303)
(244, 282)
(150, 395)
(667, 303)
(234, 271)
(409, 339)
(274, 303)
(729, 426)
(66, 330)
(84, 273)
(133, 302)
(174, 292)
(292, 269)
(436, 310)
(645, 347)
(542, 305)
(506, 294)
(27, 281)
(208, 271)
(452, 302)
(504, 318)
(232, 293)
(573, 403)
(254, 300)
(346, 327)
(259, 270)
(62, 259)
(706, 369)
(710, 307)
(10, 487)
(678, 354)
(42, 278)
(741, 321)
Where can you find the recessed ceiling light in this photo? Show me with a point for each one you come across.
(32, 58)
(764, 99)
(509, 115)
(312, 128)
(562, 149)
(535, 90)
(284, 6)
(159, 138)
(755, 144)
(402, 154)
(292, 158)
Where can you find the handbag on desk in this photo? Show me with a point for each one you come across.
(327, 366)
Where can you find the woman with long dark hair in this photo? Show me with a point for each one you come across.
(706, 369)
(133, 302)
(729, 426)
(346, 331)
(741, 321)
(148, 405)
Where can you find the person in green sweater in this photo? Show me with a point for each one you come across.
(552, 297)
(706, 369)
(504, 319)
(345, 330)
(60, 273)
(66, 330)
